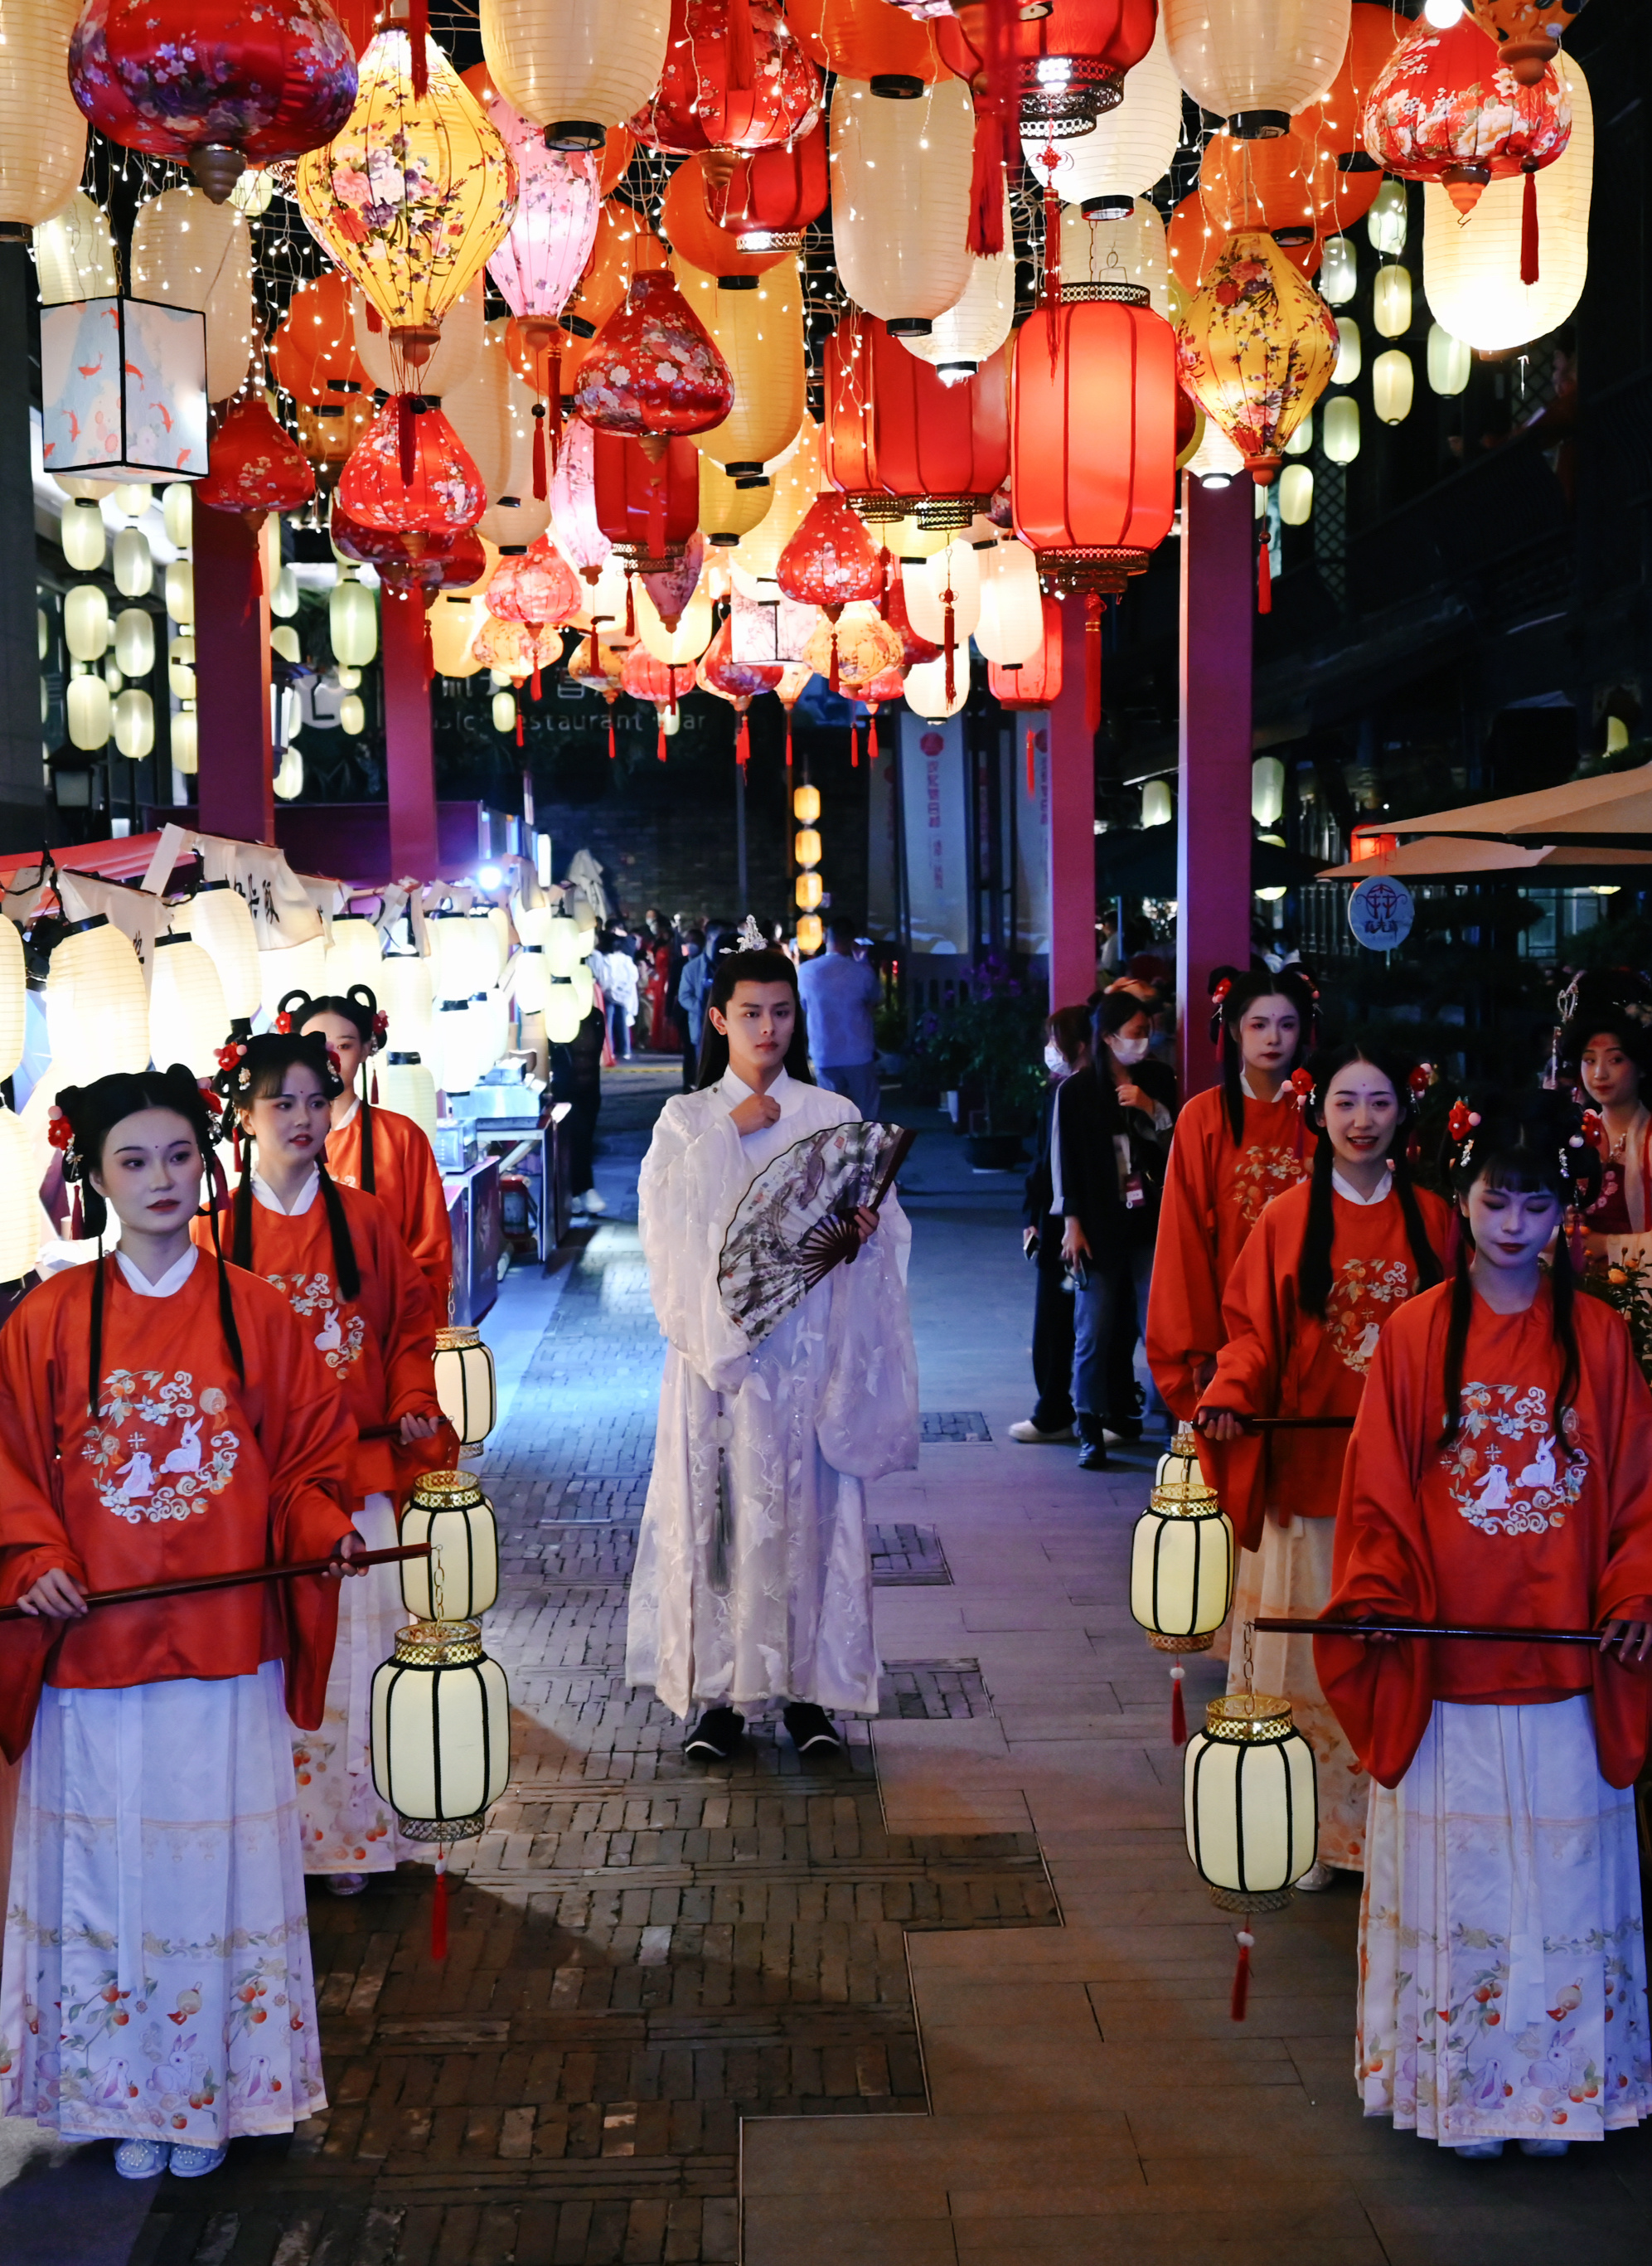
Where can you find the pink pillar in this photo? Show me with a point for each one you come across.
(1213, 906)
(1072, 824)
(236, 786)
(409, 747)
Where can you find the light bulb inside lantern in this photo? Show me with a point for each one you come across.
(1443, 13)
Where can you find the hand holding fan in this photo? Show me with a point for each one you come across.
(795, 1222)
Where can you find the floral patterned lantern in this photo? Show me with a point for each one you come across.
(737, 682)
(670, 587)
(217, 89)
(1447, 109)
(866, 647)
(410, 476)
(573, 511)
(1527, 30)
(412, 194)
(735, 79)
(660, 682)
(829, 562)
(646, 509)
(1255, 350)
(255, 467)
(558, 198)
(654, 372)
(536, 588)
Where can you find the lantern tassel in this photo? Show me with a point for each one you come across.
(406, 454)
(832, 674)
(660, 750)
(613, 747)
(884, 568)
(854, 745)
(1178, 1713)
(872, 749)
(438, 1908)
(596, 659)
(1264, 575)
(986, 183)
(1093, 663)
(1529, 230)
(556, 404)
(417, 32)
(521, 741)
(631, 606)
(742, 49)
(541, 488)
(1052, 239)
(1240, 1999)
(743, 744)
(1032, 781)
(535, 683)
(951, 645)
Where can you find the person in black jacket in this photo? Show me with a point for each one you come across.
(1111, 1142)
(1066, 1049)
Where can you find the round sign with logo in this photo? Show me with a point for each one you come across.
(1381, 913)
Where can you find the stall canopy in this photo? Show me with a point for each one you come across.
(1600, 812)
(1441, 858)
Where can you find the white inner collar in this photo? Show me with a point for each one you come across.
(174, 1279)
(1350, 1194)
(301, 1203)
(350, 1115)
(785, 1091)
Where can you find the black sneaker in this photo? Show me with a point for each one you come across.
(1093, 1456)
(716, 1737)
(811, 1729)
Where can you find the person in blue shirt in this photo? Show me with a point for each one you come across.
(840, 996)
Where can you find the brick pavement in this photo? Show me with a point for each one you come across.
(642, 1952)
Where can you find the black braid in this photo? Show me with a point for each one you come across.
(225, 1302)
(343, 1257)
(94, 1367)
(241, 1238)
(1457, 1341)
(369, 1178)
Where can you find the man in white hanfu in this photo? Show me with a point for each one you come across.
(752, 1581)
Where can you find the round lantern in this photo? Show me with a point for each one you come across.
(352, 623)
(735, 79)
(1444, 109)
(96, 1010)
(190, 252)
(949, 582)
(1010, 625)
(1339, 271)
(221, 922)
(187, 1014)
(1472, 266)
(901, 200)
(575, 67)
(1256, 68)
(1182, 1555)
(1250, 1802)
(1255, 349)
(414, 192)
(755, 323)
(466, 1389)
(958, 341)
(1339, 436)
(453, 622)
(830, 559)
(133, 719)
(866, 646)
(83, 536)
(1450, 361)
(1392, 385)
(654, 371)
(460, 1577)
(410, 1090)
(42, 134)
(427, 487)
(860, 40)
(134, 641)
(13, 997)
(1295, 495)
(74, 251)
(255, 466)
(1131, 146)
(441, 1731)
(86, 631)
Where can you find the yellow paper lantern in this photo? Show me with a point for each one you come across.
(410, 1090)
(1339, 432)
(1157, 809)
(74, 253)
(82, 536)
(13, 998)
(900, 197)
(684, 645)
(180, 583)
(796, 483)
(1256, 66)
(187, 252)
(575, 67)
(352, 623)
(289, 779)
(756, 324)
(455, 191)
(188, 1018)
(1182, 1555)
(805, 805)
(448, 1510)
(504, 712)
(184, 733)
(284, 595)
(1450, 361)
(1295, 495)
(1010, 627)
(284, 640)
(96, 1010)
(809, 889)
(1391, 302)
(453, 622)
(1130, 147)
(1257, 346)
(1128, 248)
(727, 510)
(441, 1730)
(810, 932)
(466, 1389)
(42, 134)
(134, 641)
(807, 847)
(1392, 384)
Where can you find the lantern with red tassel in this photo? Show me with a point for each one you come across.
(735, 79)
(913, 648)
(646, 509)
(410, 475)
(829, 562)
(216, 90)
(1034, 683)
(1446, 108)
(653, 371)
(1255, 350)
(536, 588)
(1251, 1808)
(738, 682)
(662, 683)
(383, 550)
(254, 466)
(1181, 1563)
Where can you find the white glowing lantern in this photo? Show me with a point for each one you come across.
(466, 1388)
(220, 919)
(96, 1010)
(289, 779)
(294, 967)
(1182, 1555)
(453, 1049)
(1250, 1802)
(352, 623)
(1128, 247)
(1010, 627)
(1349, 352)
(1156, 807)
(1339, 433)
(133, 723)
(186, 739)
(408, 1088)
(180, 583)
(1216, 463)
(284, 595)
(575, 67)
(178, 514)
(926, 696)
(188, 1018)
(284, 640)
(1339, 271)
(353, 956)
(134, 641)
(688, 640)
(1391, 302)
(89, 709)
(1301, 441)
(22, 1226)
(75, 254)
(441, 1732)
(463, 956)
(1392, 385)
(13, 997)
(187, 252)
(971, 332)
(900, 197)
(353, 715)
(405, 994)
(1295, 495)
(955, 566)
(1387, 222)
(134, 563)
(531, 987)
(448, 1510)
(503, 710)
(82, 537)
(1131, 145)
(1450, 361)
(1256, 66)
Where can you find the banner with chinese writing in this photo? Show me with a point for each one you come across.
(935, 816)
(1030, 774)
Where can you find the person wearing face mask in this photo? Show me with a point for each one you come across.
(1237, 1145)
(1331, 1261)
(1066, 1048)
(1112, 1127)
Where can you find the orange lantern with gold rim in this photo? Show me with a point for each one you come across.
(685, 216)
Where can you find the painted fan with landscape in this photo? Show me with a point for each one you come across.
(795, 1222)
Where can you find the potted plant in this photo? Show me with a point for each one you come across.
(988, 1044)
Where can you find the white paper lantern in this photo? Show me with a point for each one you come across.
(97, 1009)
(185, 738)
(926, 696)
(503, 710)
(133, 498)
(1391, 302)
(562, 1012)
(1131, 146)
(1010, 627)
(1339, 271)
(284, 640)
(529, 974)
(971, 332)
(924, 583)
(441, 1730)
(466, 1388)
(1250, 1802)
(1216, 463)
(1267, 797)
(1129, 248)
(187, 252)
(134, 563)
(688, 640)
(188, 1019)
(1182, 1555)
(1157, 809)
(111, 675)
(1392, 385)
(1295, 495)
(1348, 351)
(408, 1088)
(180, 593)
(352, 623)
(133, 723)
(1387, 222)
(1256, 66)
(22, 1224)
(405, 994)
(75, 254)
(462, 956)
(178, 514)
(575, 67)
(1301, 441)
(1339, 433)
(13, 999)
(289, 778)
(284, 595)
(90, 711)
(1450, 361)
(220, 919)
(561, 939)
(294, 967)
(134, 640)
(900, 197)
(460, 1577)
(453, 1059)
(452, 359)
(42, 134)
(83, 538)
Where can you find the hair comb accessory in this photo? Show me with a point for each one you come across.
(1301, 1083)
(1462, 1121)
(751, 937)
(59, 1131)
(1219, 995)
(380, 1023)
(1421, 1077)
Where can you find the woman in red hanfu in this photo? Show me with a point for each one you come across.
(336, 1256)
(1237, 1145)
(163, 1416)
(1500, 1475)
(1330, 1262)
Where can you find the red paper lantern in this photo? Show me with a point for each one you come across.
(254, 467)
(660, 682)
(1092, 437)
(898, 438)
(653, 371)
(536, 588)
(647, 510)
(1036, 681)
(460, 562)
(217, 89)
(313, 353)
(383, 550)
(738, 681)
(684, 215)
(830, 561)
(1070, 59)
(774, 194)
(735, 79)
(1448, 108)
(410, 475)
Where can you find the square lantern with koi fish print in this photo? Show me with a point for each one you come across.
(123, 385)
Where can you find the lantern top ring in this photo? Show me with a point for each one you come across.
(1121, 295)
(443, 1644)
(1185, 1499)
(447, 1340)
(446, 1831)
(1242, 1718)
(448, 1490)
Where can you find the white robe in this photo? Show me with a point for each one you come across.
(826, 1402)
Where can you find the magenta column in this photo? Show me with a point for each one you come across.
(408, 746)
(1213, 905)
(1072, 824)
(235, 783)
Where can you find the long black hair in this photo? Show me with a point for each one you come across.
(1530, 1143)
(91, 1112)
(258, 1068)
(1314, 1267)
(732, 967)
(1243, 990)
(1612, 1019)
(360, 1007)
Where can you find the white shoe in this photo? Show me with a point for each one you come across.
(593, 1202)
(195, 2163)
(141, 2159)
(1028, 1433)
(1317, 1878)
(576, 1206)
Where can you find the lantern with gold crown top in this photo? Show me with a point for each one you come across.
(1181, 1563)
(448, 1510)
(1250, 1807)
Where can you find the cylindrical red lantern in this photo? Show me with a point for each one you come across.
(254, 466)
(653, 371)
(410, 475)
(1036, 681)
(774, 193)
(897, 434)
(1070, 59)
(1093, 436)
(1446, 109)
(647, 511)
(217, 89)
(735, 79)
